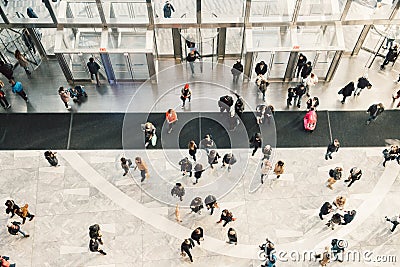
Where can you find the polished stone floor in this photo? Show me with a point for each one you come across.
(88, 187)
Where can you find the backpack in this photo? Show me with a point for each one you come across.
(331, 173)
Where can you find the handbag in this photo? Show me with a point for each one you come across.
(154, 140)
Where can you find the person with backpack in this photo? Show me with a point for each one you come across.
(7, 70)
(22, 62)
(374, 111)
(14, 228)
(51, 158)
(228, 159)
(93, 68)
(17, 88)
(3, 101)
(361, 85)
(334, 175)
(227, 217)
(168, 9)
(236, 70)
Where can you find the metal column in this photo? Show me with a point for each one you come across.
(51, 11)
(334, 65)
(4, 16)
(296, 11)
(345, 10)
(361, 40)
(177, 42)
(246, 25)
(152, 67)
(221, 40)
(105, 59)
(36, 40)
(248, 65)
(291, 67)
(198, 12)
(101, 12)
(65, 68)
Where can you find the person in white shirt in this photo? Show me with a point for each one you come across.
(310, 81)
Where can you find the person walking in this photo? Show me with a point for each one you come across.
(335, 220)
(5, 263)
(299, 91)
(211, 203)
(65, 97)
(338, 247)
(279, 168)
(125, 164)
(178, 190)
(374, 111)
(301, 62)
(339, 202)
(196, 205)
(228, 159)
(391, 56)
(3, 101)
(192, 149)
(232, 236)
(168, 9)
(25, 213)
(94, 232)
(267, 152)
(186, 93)
(309, 82)
(17, 88)
(225, 103)
(7, 70)
(150, 137)
(186, 246)
(325, 210)
(142, 167)
(22, 62)
(361, 85)
(197, 235)
(262, 84)
(391, 154)
(177, 214)
(207, 143)
(186, 166)
(306, 70)
(11, 207)
(255, 142)
(348, 217)
(14, 228)
(397, 96)
(239, 106)
(326, 256)
(261, 68)
(346, 91)
(290, 96)
(213, 157)
(171, 119)
(51, 158)
(394, 221)
(227, 217)
(332, 147)
(355, 175)
(191, 58)
(312, 103)
(334, 175)
(94, 68)
(198, 170)
(237, 70)
(266, 167)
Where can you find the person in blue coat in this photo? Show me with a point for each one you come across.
(18, 89)
(168, 9)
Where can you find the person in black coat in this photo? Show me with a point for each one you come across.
(211, 203)
(325, 210)
(226, 216)
(225, 103)
(255, 142)
(362, 84)
(185, 248)
(299, 91)
(239, 106)
(391, 56)
(51, 158)
(228, 159)
(198, 170)
(232, 236)
(332, 147)
(197, 235)
(261, 68)
(14, 228)
(301, 62)
(11, 207)
(191, 58)
(306, 70)
(186, 166)
(355, 174)
(374, 111)
(312, 103)
(348, 217)
(236, 70)
(94, 246)
(291, 95)
(7, 70)
(213, 157)
(347, 91)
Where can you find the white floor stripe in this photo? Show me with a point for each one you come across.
(145, 214)
(73, 250)
(59, 169)
(77, 191)
(95, 159)
(108, 227)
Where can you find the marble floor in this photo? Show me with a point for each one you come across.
(138, 220)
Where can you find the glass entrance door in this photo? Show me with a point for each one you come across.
(77, 64)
